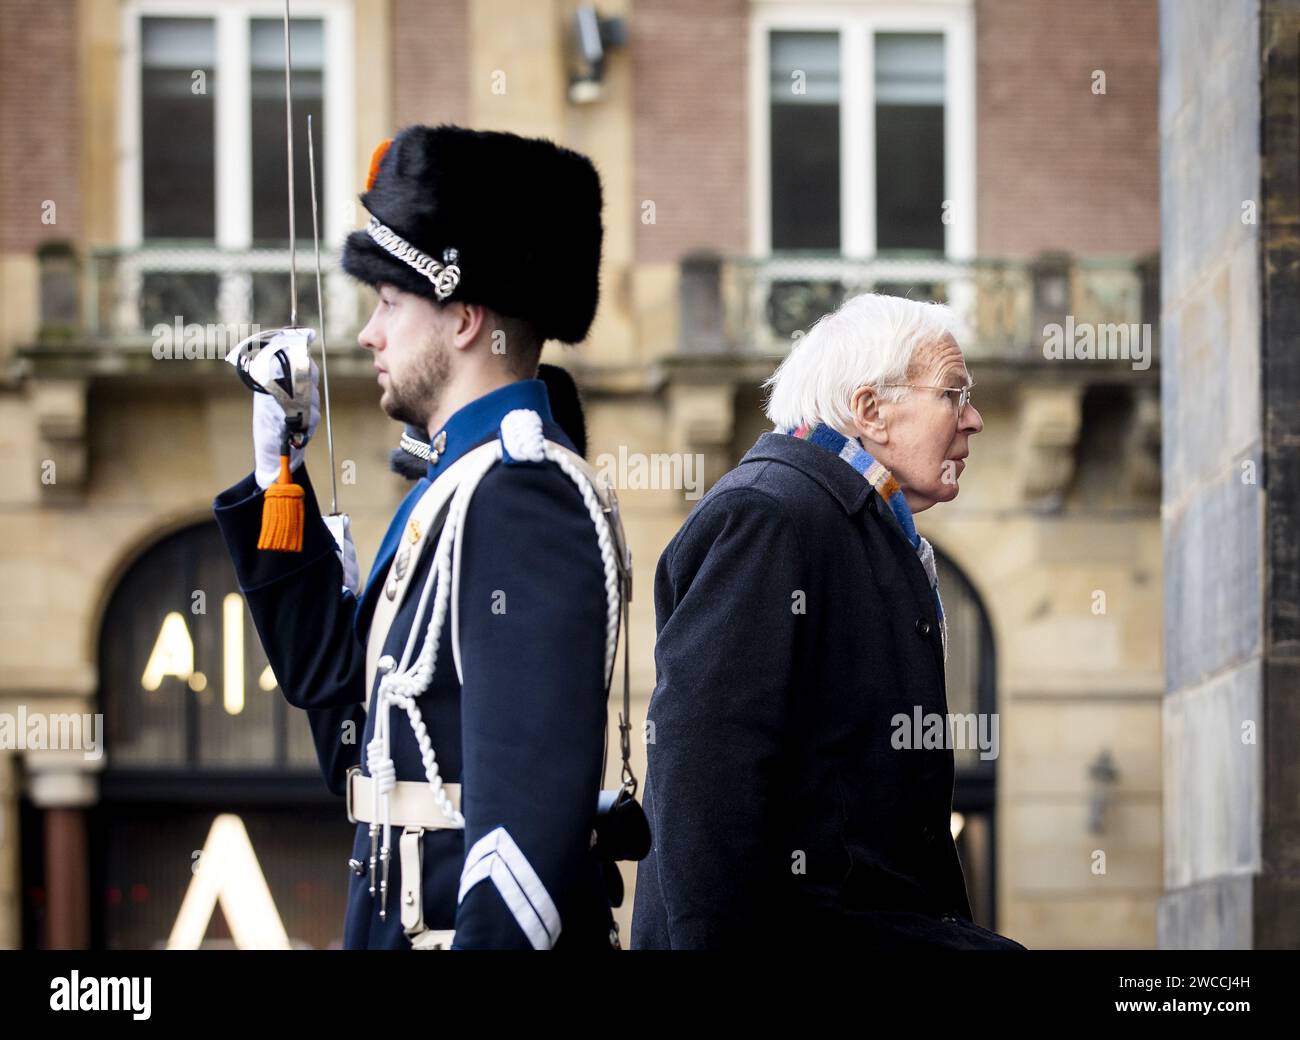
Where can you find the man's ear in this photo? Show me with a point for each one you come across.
(864, 406)
(468, 320)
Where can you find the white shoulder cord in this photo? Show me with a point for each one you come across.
(522, 432)
(400, 686)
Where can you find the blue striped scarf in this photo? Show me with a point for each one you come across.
(848, 449)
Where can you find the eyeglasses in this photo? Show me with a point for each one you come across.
(962, 392)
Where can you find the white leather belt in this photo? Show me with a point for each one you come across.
(413, 808)
(410, 802)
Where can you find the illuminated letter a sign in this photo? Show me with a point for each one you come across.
(228, 871)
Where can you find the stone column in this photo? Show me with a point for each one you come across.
(11, 914)
(64, 789)
(1230, 143)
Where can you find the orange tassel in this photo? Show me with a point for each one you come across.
(282, 514)
(376, 157)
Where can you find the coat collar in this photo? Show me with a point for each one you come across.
(479, 420)
(841, 480)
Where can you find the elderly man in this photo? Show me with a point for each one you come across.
(798, 612)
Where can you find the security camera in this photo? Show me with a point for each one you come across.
(593, 38)
(590, 48)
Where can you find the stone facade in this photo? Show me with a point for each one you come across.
(1231, 507)
(1060, 502)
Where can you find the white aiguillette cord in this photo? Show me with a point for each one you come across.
(422, 516)
(402, 685)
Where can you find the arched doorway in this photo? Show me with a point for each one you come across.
(971, 673)
(196, 728)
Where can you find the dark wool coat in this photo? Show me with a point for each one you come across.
(794, 622)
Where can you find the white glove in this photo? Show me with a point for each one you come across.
(341, 528)
(268, 428)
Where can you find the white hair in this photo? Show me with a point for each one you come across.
(871, 340)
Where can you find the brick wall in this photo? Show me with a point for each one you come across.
(1059, 167)
(39, 122)
(431, 48)
(690, 110)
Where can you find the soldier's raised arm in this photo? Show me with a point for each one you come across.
(299, 605)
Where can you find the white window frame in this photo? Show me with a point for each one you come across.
(233, 157)
(857, 24)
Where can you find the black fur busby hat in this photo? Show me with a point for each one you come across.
(509, 222)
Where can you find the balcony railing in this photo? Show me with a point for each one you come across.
(131, 293)
(760, 306)
(754, 307)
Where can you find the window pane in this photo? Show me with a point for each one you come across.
(271, 289)
(145, 717)
(164, 654)
(805, 113)
(177, 127)
(190, 294)
(967, 673)
(270, 180)
(909, 141)
(235, 717)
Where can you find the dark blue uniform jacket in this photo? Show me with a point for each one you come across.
(524, 736)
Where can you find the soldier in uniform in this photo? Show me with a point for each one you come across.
(474, 668)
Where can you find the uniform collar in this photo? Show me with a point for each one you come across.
(480, 420)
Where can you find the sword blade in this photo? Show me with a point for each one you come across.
(320, 313)
(288, 135)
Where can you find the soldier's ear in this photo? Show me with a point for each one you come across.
(468, 321)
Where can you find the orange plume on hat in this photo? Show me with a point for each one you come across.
(376, 157)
